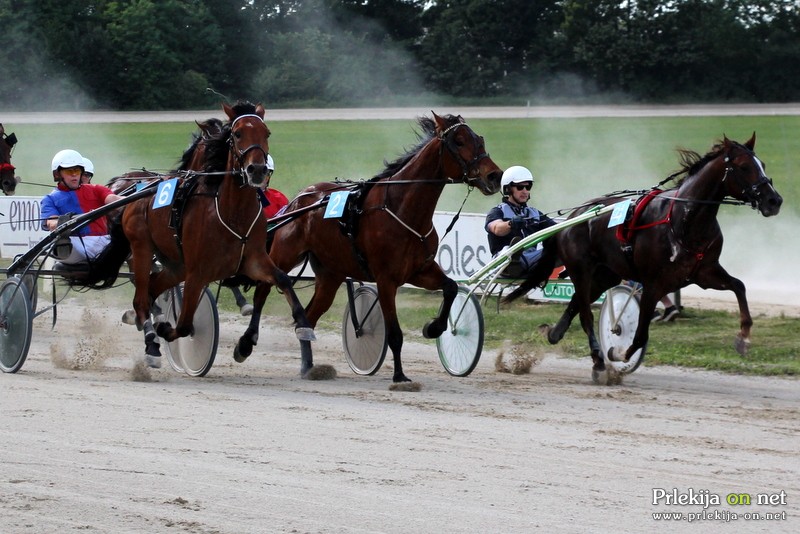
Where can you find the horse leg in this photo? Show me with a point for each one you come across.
(141, 259)
(394, 335)
(303, 326)
(433, 279)
(244, 347)
(244, 308)
(647, 305)
(716, 277)
(557, 331)
(192, 290)
(583, 305)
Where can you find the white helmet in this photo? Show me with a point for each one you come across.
(515, 175)
(66, 159)
(88, 166)
(270, 163)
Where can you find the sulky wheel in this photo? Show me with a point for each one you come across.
(461, 344)
(193, 355)
(364, 340)
(619, 317)
(16, 324)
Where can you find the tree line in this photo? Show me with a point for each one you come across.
(171, 54)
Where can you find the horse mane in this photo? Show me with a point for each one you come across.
(217, 144)
(189, 152)
(691, 162)
(428, 131)
(206, 127)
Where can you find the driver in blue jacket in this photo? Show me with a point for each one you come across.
(513, 219)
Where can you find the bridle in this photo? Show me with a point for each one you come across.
(239, 154)
(468, 168)
(749, 191)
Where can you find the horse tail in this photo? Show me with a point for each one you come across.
(540, 273)
(104, 269)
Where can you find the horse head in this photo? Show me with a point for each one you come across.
(249, 143)
(746, 178)
(8, 181)
(469, 162)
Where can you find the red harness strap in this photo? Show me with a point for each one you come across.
(6, 167)
(625, 231)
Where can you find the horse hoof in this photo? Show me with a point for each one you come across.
(431, 330)
(246, 309)
(552, 336)
(239, 355)
(129, 317)
(599, 377)
(153, 362)
(319, 372)
(741, 345)
(305, 334)
(162, 329)
(611, 356)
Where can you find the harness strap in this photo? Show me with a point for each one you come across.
(407, 227)
(625, 233)
(243, 238)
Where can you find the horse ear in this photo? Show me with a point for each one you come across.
(440, 125)
(260, 111)
(228, 111)
(752, 142)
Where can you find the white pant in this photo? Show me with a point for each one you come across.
(87, 247)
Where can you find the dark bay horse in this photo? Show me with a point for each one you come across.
(386, 234)
(674, 240)
(8, 181)
(218, 231)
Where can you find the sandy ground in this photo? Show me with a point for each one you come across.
(93, 444)
(253, 448)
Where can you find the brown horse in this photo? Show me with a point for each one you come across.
(215, 230)
(674, 240)
(8, 181)
(386, 234)
(193, 159)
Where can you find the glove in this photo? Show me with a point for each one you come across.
(518, 224)
(65, 218)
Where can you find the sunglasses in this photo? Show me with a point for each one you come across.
(526, 187)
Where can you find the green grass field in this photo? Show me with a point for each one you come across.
(572, 159)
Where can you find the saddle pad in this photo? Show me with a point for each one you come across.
(626, 230)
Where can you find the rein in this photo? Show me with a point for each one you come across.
(446, 140)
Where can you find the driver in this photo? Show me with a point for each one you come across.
(71, 197)
(88, 171)
(513, 219)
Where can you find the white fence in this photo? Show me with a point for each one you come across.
(461, 253)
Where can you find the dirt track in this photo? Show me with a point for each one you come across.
(252, 448)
